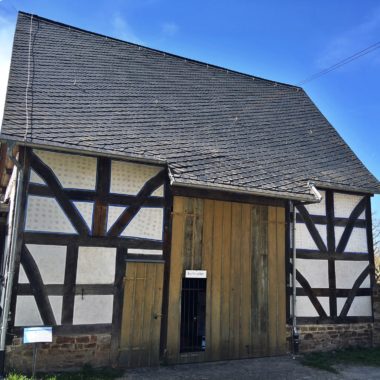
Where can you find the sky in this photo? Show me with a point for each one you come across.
(285, 41)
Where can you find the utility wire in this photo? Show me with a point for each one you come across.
(341, 63)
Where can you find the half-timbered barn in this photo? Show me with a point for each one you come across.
(157, 209)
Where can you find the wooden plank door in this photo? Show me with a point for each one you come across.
(141, 320)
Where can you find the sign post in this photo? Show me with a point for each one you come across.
(37, 335)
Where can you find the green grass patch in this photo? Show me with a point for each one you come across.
(87, 372)
(351, 356)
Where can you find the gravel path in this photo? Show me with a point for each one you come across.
(284, 368)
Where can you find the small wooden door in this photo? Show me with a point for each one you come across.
(141, 321)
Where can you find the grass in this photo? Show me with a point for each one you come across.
(87, 372)
(352, 356)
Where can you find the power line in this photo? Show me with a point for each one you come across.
(341, 63)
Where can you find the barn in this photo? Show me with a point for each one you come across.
(157, 209)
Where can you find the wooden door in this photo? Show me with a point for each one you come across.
(141, 321)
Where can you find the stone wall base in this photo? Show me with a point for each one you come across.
(333, 336)
(64, 353)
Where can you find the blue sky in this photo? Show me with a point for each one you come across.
(283, 41)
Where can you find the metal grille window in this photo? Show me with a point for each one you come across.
(193, 315)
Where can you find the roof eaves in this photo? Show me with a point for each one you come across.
(251, 191)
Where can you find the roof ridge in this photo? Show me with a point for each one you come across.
(160, 51)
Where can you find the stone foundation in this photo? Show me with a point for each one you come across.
(376, 315)
(64, 353)
(334, 336)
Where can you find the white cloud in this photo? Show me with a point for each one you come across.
(123, 30)
(169, 29)
(6, 40)
(352, 41)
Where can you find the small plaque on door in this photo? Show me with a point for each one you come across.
(196, 274)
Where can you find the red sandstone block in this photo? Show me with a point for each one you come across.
(65, 339)
(82, 339)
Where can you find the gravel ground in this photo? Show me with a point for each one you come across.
(284, 368)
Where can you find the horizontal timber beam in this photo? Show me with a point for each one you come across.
(226, 196)
(78, 195)
(90, 241)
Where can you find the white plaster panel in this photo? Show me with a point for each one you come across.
(51, 261)
(129, 178)
(346, 273)
(361, 306)
(35, 178)
(147, 223)
(22, 278)
(45, 214)
(86, 211)
(56, 305)
(318, 208)
(27, 313)
(315, 272)
(73, 171)
(357, 241)
(92, 309)
(96, 265)
(138, 251)
(345, 203)
(304, 239)
(304, 307)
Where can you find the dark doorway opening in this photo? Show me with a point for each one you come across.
(193, 315)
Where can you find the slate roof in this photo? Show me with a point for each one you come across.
(212, 126)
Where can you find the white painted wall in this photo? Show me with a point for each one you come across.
(316, 271)
(45, 215)
(304, 239)
(348, 271)
(92, 309)
(304, 307)
(360, 307)
(318, 208)
(345, 203)
(51, 260)
(129, 178)
(27, 313)
(96, 265)
(356, 243)
(73, 171)
(148, 223)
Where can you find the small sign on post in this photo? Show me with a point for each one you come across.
(196, 274)
(36, 335)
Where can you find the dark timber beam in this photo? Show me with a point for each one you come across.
(103, 183)
(330, 230)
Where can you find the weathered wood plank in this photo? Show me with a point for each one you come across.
(208, 227)
(175, 284)
(272, 280)
(245, 283)
(147, 354)
(235, 279)
(128, 313)
(155, 325)
(188, 236)
(215, 325)
(197, 234)
(226, 281)
(281, 282)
